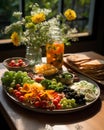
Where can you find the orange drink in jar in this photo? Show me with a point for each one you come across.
(54, 54)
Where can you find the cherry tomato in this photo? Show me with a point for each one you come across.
(14, 91)
(58, 106)
(43, 104)
(17, 86)
(20, 61)
(58, 98)
(11, 63)
(21, 98)
(17, 64)
(37, 104)
(55, 102)
(18, 94)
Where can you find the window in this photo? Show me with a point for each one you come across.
(84, 9)
(6, 9)
(85, 14)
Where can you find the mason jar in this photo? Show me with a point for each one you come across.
(55, 50)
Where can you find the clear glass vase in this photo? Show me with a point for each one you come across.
(34, 55)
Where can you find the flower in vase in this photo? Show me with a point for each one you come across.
(35, 29)
(70, 14)
(15, 38)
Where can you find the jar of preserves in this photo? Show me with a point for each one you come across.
(55, 50)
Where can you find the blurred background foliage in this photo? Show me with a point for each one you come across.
(82, 7)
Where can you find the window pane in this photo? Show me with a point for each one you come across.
(85, 10)
(7, 7)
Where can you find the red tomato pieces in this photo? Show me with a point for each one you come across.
(17, 63)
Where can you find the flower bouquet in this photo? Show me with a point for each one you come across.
(35, 30)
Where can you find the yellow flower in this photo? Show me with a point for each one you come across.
(15, 39)
(40, 17)
(70, 14)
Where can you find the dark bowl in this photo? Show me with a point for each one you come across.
(13, 66)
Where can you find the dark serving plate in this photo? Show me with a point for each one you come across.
(60, 111)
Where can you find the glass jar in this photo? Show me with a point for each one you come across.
(55, 50)
(34, 55)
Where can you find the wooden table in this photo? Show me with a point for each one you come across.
(18, 118)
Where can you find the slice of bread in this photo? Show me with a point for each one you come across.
(78, 57)
(92, 64)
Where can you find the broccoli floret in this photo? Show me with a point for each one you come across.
(46, 83)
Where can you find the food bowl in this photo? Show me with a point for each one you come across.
(45, 69)
(16, 63)
(65, 77)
